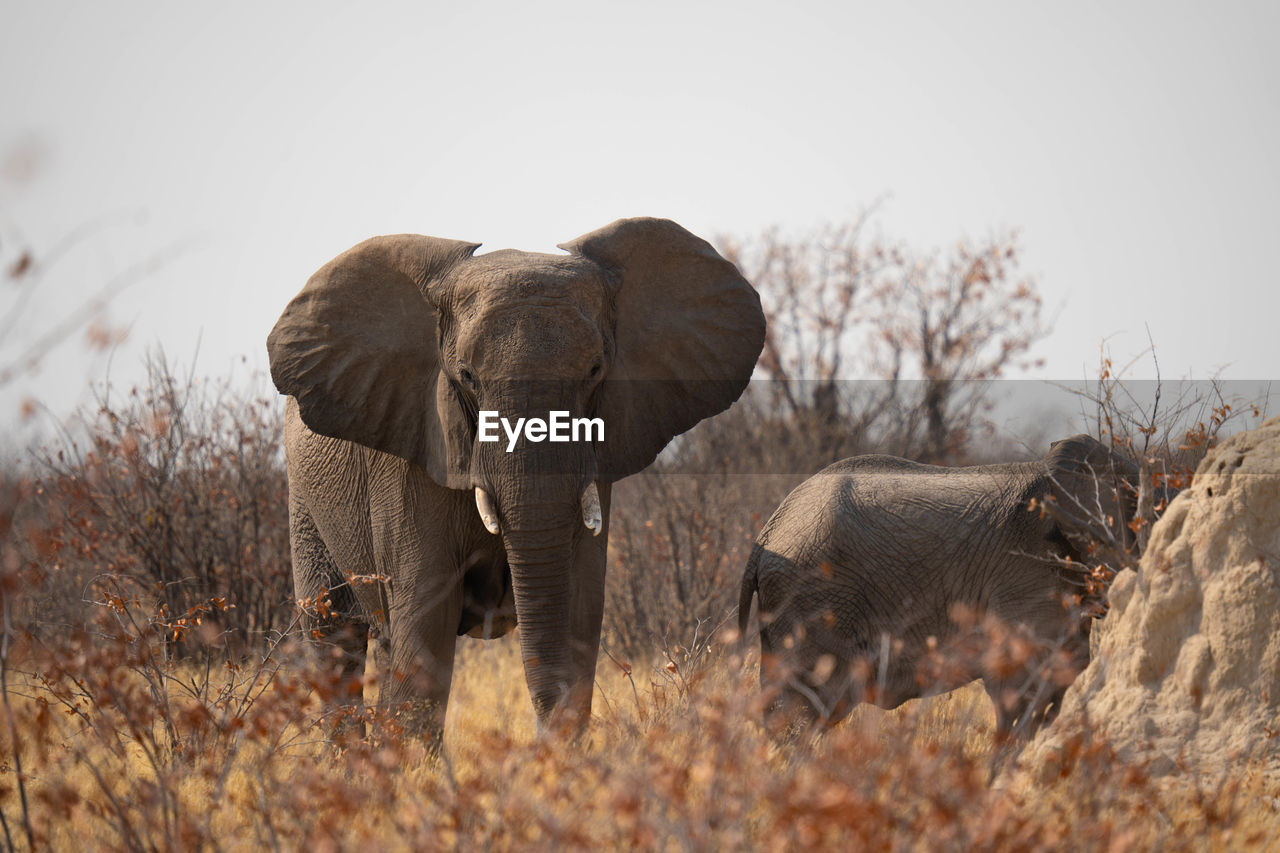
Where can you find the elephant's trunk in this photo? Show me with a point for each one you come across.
(541, 501)
(542, 585)
(545, 501)
(540, 539)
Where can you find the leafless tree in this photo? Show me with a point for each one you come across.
(924, 331)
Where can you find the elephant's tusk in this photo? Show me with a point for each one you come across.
(591, 509)
(488, 514)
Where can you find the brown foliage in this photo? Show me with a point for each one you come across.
(927, 329)
(661, 768)
(175, 497)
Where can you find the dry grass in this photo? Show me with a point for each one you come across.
(672, 761)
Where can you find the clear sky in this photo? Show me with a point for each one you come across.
(237, 147)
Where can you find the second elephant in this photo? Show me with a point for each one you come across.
(872, 569)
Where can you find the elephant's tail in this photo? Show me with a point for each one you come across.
(750, 583)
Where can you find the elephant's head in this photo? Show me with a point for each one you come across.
(401, 342)
(1094, 499)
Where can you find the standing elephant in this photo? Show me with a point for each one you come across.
(422, 505)
(873, 565)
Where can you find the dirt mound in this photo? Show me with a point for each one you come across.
(1186, 667)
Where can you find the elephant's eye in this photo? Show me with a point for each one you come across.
(468, 378)
(595, 370)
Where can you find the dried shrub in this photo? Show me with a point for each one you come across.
(1166, 428)
(926, 331)
(677, 545)
(662, 768)
(172, 496)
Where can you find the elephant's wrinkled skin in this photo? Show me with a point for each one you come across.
(875, 560)
(403, 521)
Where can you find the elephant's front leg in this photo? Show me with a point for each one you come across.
(414, 536)
(423, 634)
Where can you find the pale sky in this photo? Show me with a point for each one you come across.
(240, 146)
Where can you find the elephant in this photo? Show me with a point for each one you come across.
(881, 579)
(418, 512)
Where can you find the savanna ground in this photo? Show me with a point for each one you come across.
(666, 765)
(156, 695)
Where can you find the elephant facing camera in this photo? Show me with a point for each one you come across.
(390, 354)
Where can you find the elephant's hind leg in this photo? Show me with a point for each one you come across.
(809, 687)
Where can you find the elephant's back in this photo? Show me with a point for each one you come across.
(868, 512)
(896, 491)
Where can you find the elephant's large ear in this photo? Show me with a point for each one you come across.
(358, 348)
(1093, 495)
(688, 332)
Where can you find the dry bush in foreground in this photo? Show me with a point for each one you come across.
(662, 768)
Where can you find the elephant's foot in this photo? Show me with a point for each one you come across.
(348, 726)
(416, 719)
(569, 719)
